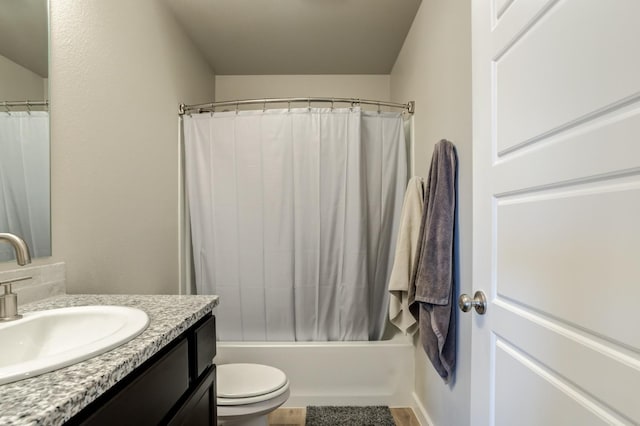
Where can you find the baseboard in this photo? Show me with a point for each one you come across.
(421, 412)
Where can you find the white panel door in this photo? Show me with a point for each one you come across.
(556, 134)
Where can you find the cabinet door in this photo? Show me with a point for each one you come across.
(200, 408)
(147, 399)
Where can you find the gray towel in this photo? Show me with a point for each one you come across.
(433, 270)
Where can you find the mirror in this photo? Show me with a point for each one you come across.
(24, 125)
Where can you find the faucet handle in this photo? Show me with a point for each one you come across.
(14, 280)
(7, 283)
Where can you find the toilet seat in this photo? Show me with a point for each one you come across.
(253, 399)
(241, 384)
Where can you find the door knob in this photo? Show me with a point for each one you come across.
(479, 302)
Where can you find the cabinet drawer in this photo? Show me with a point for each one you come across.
(205, 345)
(147, 399)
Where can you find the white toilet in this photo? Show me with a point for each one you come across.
(247, 393)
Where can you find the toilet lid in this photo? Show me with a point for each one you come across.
(248, 380)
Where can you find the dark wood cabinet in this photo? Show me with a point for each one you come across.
(177, 386)
(200, 408)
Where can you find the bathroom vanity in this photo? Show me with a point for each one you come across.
(163, 376)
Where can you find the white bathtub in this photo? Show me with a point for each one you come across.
(335, 373)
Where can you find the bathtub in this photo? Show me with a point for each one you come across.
(335, 373)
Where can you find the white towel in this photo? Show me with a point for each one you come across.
(405, 256)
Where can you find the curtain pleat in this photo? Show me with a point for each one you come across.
(293, 216)
(384, 133)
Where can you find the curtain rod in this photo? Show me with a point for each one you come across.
(11, 104)
(209, 107)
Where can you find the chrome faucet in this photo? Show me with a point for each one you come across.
(21, 248)
(9, 300)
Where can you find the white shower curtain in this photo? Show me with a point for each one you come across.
(293, 219)
(24, 181)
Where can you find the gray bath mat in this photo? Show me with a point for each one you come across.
(349, 416)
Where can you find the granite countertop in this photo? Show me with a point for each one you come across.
(53, 398)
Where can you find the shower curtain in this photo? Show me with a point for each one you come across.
(294, 216)
(24, 180)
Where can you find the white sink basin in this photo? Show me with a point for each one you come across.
(47, 340)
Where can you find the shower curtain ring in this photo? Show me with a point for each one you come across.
(28, 108)
(379, 111)
(6, 107)
(237, 105)
(264, 106)
(289, 106)
(332, 104)
(309, 104)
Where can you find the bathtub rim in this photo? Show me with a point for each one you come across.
(396, 340)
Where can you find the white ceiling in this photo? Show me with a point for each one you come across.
(24, 33)
(243, 37)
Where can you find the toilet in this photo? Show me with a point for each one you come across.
(247, 393)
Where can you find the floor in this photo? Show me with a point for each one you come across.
(295, 417)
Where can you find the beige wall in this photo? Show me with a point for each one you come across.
(232, 87)
(434, 68)
(18, 83)
(119, 70)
